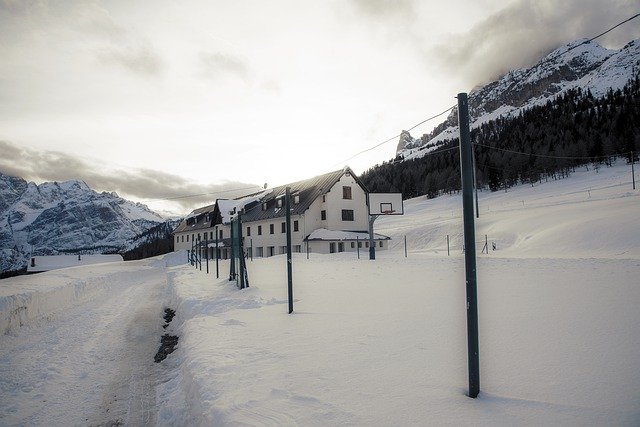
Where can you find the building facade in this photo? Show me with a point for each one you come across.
(328, 214)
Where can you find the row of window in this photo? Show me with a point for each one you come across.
(283, 229)
(272, 227)
(332, 246)
(347, 215)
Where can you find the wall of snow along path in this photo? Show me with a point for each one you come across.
(33, 298)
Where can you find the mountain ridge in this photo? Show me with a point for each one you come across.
(579, 64)
(69, 216)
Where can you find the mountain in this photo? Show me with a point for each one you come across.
(580, 64)
(54, 217)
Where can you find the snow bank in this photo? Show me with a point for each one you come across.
(384, 343)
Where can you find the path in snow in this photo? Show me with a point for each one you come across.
(91, 364)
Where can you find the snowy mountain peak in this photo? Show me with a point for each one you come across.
(66, 216)
(580, 64)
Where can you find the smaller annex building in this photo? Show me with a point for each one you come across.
(329, 214)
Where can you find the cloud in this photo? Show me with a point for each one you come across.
(146, 184)
(385, 9)
(520, 34)
(220, 65)
(141, 60)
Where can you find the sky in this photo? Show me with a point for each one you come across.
(175, 103)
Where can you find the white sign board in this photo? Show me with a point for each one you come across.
(385, 204)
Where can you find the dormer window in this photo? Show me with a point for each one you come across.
(264, 206)
(279, 202)
(296, 199)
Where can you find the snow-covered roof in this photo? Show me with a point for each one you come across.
(324, 234)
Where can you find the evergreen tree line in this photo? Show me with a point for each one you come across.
(572, 130)
(157, 240)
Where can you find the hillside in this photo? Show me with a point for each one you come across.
(590, 119)
(53, 218)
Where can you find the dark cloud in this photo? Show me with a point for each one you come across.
(141, 60)
(146, 184)
(215, 65)
(523, 32)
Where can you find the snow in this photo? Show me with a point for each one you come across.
(53, 262)
(324, 234)
(229, 208)
(369, 343)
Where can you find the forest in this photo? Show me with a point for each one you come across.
(541, 143)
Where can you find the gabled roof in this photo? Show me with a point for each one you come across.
(198, 216)
(308, 190)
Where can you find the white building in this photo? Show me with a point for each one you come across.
(328, 214)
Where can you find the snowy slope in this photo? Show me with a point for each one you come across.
(369, 343)
(587, 66)
(52, 216)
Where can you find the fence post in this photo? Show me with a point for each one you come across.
(206, 243)
(358, 246)
(287, 204)
(217, 255)
(448, 253)
(633, 173)
(405, 246)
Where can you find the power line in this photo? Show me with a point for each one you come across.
(203, 194)
(393, 137)
(548, 156)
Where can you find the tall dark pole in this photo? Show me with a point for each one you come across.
(217, 255)
(633, 173)
(358, 246)
(206, 244)
(475, 182)
(466, 168)
(405, 246)
(287, 207)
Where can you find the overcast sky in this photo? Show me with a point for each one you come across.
(165, 98)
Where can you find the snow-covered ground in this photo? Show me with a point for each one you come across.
(369, 343)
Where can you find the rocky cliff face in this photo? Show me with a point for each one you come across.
(56, 217)
(588, 66)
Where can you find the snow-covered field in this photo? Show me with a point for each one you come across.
(369, 343)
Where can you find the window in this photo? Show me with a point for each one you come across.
(295, 225)
(260, 231)
(284, 227)
(183, 238)
(346, 192)
(221, 234)
(296, 199)
(332, 248)
(283, 249)
(359, 244)
(323, 215)
(260, 252)
(177, 239)
(271, 227)
(279, 202)
(211, 235)
(324, 198)
(187, 238)
(198, 236)
(366, 244)
(297, 248)
(353, 245)
(264, 206)
(347, 214)
(248, 231)
(341, 247)
(271, 251)
(380, 243)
